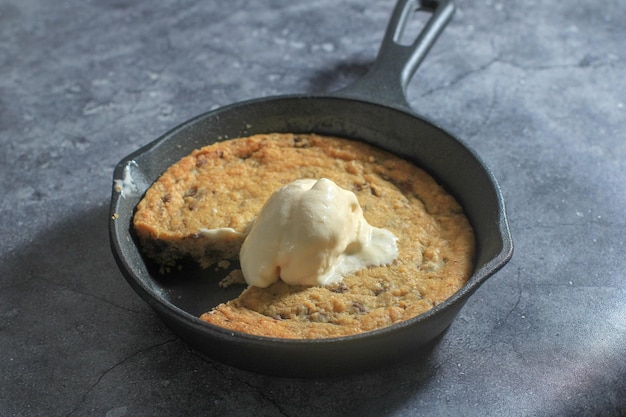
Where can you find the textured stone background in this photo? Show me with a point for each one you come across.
(537, 88)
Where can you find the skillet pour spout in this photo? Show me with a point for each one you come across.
(374, 110)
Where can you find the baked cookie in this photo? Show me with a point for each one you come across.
(202, 206)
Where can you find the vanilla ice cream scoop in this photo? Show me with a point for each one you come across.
(312, 232)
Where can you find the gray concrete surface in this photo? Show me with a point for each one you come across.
(536, 88)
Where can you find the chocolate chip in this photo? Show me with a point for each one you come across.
(340, 288)
(201, 161)
(191, 192)
(379, 291)
(359, 307)
(300, 142)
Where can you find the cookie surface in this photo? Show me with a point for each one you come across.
(224, 185)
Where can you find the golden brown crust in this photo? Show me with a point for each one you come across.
(226, 184)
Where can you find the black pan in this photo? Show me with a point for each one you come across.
(373, 110)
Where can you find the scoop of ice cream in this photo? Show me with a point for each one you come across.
(312, 232)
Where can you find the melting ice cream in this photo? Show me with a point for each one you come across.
(312, 232)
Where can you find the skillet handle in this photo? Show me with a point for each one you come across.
(387, 80)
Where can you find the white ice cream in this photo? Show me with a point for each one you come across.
(312, 232)
(223, 233)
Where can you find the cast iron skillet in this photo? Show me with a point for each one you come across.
(373, 110)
